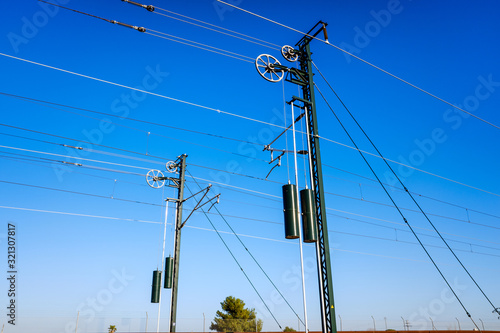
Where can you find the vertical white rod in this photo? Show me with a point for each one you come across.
(162, 264)
(77, 317)
(147, 319)
(300, 229)
(176, 223)
(318, 253)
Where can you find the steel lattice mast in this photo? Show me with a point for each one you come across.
(271, 70)
(322, 246)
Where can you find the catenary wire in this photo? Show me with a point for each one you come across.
(98, 161)
(115, 155)
(73, 157)
(368, 201)
(79, 214)
(411, 210)
(36, 160)
(155, 222)
(145, 203)
(149, 134)
(22, 97)
(243, 37)
(178, 39)
(270, 195)
(410, 166)
(423, 234)
(141, 90)
(126, 118)
(274, 196)
(475, 252)
(382, 226)
(402, 190)
(366, 62)
(242, 117)
(275, 23)
(199, 46)
(205, 229)
(80, 193)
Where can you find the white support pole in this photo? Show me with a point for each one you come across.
(300, 229)
(76, 327)
(318, 253)
(162, 264)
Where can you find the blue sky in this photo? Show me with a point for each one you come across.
(94, 254)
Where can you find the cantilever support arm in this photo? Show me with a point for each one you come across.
(199, 204)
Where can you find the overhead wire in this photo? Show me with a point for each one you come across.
(36, 160)
(245, 118)
(410, 167)
(276, 208)
(226, 185)
(495, 309)
(127, 118)
(141, 90)
(111, 197)
(77, 11)
(81, 148)
(240, 235)
(351, 233)
(481, 240)
(270, 45)
(468, 209)
(112, 154)
(413, 243)
(200, 46)
(73, 157)
(392, 228)
(423, 234)
(364, 61)
(79, 193)
(277, 197)
(199, 228)
(156, 34)
(412, 210)
(137, 167)
(263, 18)
(79, 214)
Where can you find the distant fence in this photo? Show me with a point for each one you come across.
(367, 331)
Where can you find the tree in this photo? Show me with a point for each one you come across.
(112, 329)
(289, 329)
(234, 317)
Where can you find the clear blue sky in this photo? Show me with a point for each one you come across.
(101, 265)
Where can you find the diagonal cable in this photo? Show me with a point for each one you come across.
(495, 309)
(366, 62)
(251, 255)
(397, 208)
(237, 262)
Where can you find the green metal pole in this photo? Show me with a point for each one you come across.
(323, 247)
(177, 246)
